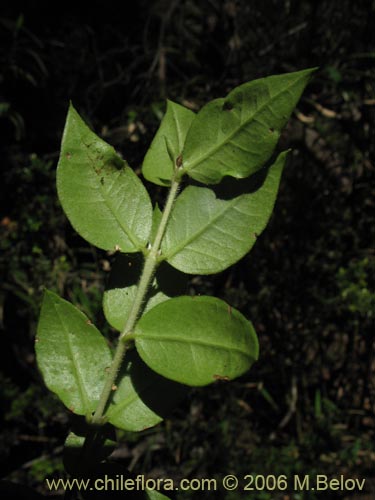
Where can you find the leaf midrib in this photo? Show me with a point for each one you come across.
(198, 233)
(179, 132)
(190, 341)
(210, 152)
(81, 386)
(132, 237)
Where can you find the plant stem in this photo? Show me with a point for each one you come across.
(151, 262)
(165, 217)
(109, 384)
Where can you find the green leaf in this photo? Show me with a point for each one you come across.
(102, 197)
(236, 135)
(155, 495)
(142, 398)
(157, 215)
(160, 160)
(206, 235)
(123, 284)
(196, 340)
(71, 354)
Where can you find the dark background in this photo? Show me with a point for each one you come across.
(307, 406)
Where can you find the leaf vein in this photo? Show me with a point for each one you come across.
(192, 342)
(258, 109)
(78, 376)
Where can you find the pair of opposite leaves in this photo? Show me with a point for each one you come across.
(202, 338)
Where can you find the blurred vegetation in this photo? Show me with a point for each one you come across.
(308, 405)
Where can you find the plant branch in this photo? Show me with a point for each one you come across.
(152, 260)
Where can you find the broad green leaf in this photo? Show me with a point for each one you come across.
(237, 134)
(71, 354)
(196, 340)
(123, 284)
(142, 398)
(160, 160)
(102, 197)
(206, 235)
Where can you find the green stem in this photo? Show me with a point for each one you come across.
(97, 418)
(165, 217)
(151, 262)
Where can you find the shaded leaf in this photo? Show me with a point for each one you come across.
(196, 340)
(103, 198)
(123, 284)
(160, 160)
(72, 456)
(71, 354)
(142, 398)
(206, 235)
(237, 134)
(155, 495)
(157, 215)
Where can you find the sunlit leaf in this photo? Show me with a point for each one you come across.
(160, 160)
(196, 340)
(237, 134)
(72, 354)
(102, 197)
(206, 235)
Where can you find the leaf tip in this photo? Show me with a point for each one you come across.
(72, 110)
(73, 117)
(308, 73)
